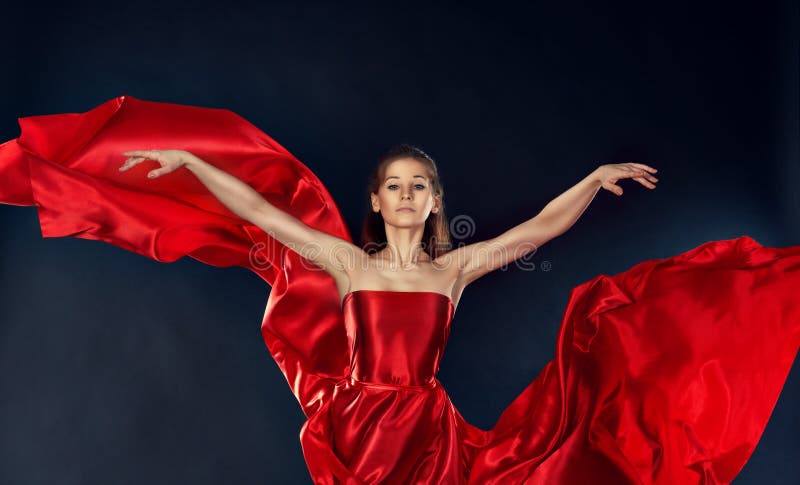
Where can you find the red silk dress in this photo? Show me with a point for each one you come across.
(665, 373)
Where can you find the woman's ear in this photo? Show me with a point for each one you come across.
(376, 206)
(437, 204)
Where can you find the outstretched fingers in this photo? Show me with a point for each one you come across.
(610, 185)
(641, 173)
(130, 162)
(645, 182)
(637, 171)
(644, 178)
(142, 153)
(643, 166)
(137, 156)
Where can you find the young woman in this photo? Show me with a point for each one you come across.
(408, 241)
(664, 373)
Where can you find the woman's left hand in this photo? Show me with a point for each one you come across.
(609, 174)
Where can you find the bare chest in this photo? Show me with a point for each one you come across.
(380, 275)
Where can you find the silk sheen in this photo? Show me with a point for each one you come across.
(665, 373)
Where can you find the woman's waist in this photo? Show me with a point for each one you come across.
(390, 383)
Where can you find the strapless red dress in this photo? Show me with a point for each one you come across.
(665, 373)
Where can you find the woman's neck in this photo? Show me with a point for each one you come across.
(404, 247)
(405, 256)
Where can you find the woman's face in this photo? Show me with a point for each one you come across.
(405, 197)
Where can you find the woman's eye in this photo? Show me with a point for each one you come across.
(417, 186)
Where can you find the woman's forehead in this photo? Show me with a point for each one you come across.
(406, 167)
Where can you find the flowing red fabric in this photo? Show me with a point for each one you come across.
(666, 373)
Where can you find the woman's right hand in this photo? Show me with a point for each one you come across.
(170, 160)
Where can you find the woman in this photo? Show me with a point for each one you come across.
(408, 251)
(665, 373)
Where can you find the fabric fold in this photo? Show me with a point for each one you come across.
(67, 166)
(664, 373)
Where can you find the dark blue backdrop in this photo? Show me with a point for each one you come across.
(119, 369)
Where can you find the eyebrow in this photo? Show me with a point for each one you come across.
(396, 177)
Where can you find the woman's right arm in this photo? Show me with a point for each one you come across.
(336, 256)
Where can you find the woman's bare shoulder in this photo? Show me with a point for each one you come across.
(448, 260)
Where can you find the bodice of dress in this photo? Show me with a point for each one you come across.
(396, 338)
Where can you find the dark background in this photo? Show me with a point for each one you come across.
(120, 369)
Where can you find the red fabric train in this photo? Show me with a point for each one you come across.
(666, 373)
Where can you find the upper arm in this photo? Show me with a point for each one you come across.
(480, 258)
(335, 255)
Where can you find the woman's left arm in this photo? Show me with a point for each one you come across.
(560, 214)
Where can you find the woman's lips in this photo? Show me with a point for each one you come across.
(405, 209)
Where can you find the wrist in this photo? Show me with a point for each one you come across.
(190, 160)
(595, 175)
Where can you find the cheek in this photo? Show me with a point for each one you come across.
(382, 199)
